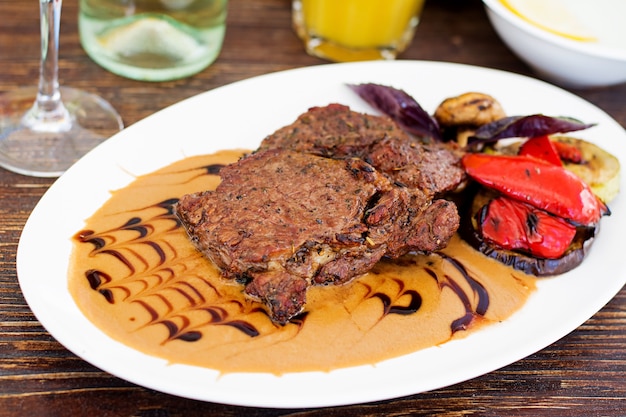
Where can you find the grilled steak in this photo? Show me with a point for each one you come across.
(336, 131)
(282, 220)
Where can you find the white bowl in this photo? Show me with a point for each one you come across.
(562, 60)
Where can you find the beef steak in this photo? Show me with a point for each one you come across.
(336, 131)
(282, 220)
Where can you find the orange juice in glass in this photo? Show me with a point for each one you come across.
(356, 30)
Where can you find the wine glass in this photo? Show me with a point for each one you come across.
(44, 130)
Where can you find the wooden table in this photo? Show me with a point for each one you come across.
(584, 374)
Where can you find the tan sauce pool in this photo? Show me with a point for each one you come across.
(136, 276)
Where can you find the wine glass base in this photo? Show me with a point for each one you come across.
(48, 150)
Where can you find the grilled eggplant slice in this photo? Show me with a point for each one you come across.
(469, 230)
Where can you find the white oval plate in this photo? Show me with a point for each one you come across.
(240, 116)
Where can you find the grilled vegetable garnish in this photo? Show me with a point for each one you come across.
(520, 259)
(534, 204)
(469, 109)
(543, 148)
(538, 183)
(460, 116)
(531, 214)
(597, 167)
(514, 225)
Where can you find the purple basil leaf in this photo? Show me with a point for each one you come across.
(526, 127)
(401, 107)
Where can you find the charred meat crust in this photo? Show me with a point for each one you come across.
(281, 221)
(336, 131)
(322, 201)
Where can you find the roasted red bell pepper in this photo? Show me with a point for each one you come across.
(568, 153)
(541, 147)
(514, 225)
(538, 183)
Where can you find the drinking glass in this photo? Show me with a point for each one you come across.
(153, 40)
(44, 130)
(356, 30)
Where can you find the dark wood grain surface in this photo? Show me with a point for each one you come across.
(584, 374)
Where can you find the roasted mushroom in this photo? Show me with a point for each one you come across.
(460, 116)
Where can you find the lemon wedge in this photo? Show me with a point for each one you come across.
(552, 16)
(150, 35)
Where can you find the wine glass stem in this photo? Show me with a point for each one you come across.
(48, 112)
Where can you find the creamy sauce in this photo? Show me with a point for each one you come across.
(135, 274)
